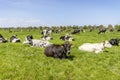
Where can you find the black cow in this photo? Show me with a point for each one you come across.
(58, 51)
(2, 39)
(114, 42)
(102, 31)
(14, 39)
(75, 31)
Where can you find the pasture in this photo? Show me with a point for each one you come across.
(21, 62)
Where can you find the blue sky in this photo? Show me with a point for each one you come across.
(58, 12)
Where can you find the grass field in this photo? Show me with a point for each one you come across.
(22, 62)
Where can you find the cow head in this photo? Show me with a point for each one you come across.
(2, 39)
(28, 39)
(67, 47)
(107, 44)
(14, 39)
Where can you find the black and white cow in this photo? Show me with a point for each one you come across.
(46, 38)
(2, 39)
(14, 39)
(75, 31)
(67, 38)
(36, 42)
(114, 42)
(58, 51)
(46, 32)
(102, 31)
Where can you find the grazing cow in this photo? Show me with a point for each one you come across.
(102, 31)
(2, 39)
(114, 42)
(75, 31)
(44, 32)
(14, 39)
(67, 38)
(58, 51)
(35, 42)
(46, 38)
(96, 47)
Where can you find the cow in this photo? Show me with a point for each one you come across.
(58, 51)
(46, 32)
(2, 39)
(114, 42)
(75, 31)
(14, 39)
(28, 38)
(102, 31)
(46, 38)
(36, 42)
(95, 47)
(67, 38)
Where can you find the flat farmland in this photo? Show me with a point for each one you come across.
(19, 61)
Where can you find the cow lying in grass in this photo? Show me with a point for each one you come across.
(14, 39)
(46, 38)
(114, 42)
(58, 51)
(2, 39)
(35, 42)
(95, 47)
(68, 37)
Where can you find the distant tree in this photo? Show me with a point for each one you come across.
(85, 27)
(101, 27)
(110, 26)
(117, 27)
(89, 26)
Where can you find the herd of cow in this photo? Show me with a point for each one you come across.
(61, 50)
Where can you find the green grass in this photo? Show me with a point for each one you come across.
(22, 62)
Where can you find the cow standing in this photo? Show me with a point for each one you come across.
(46, 32)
